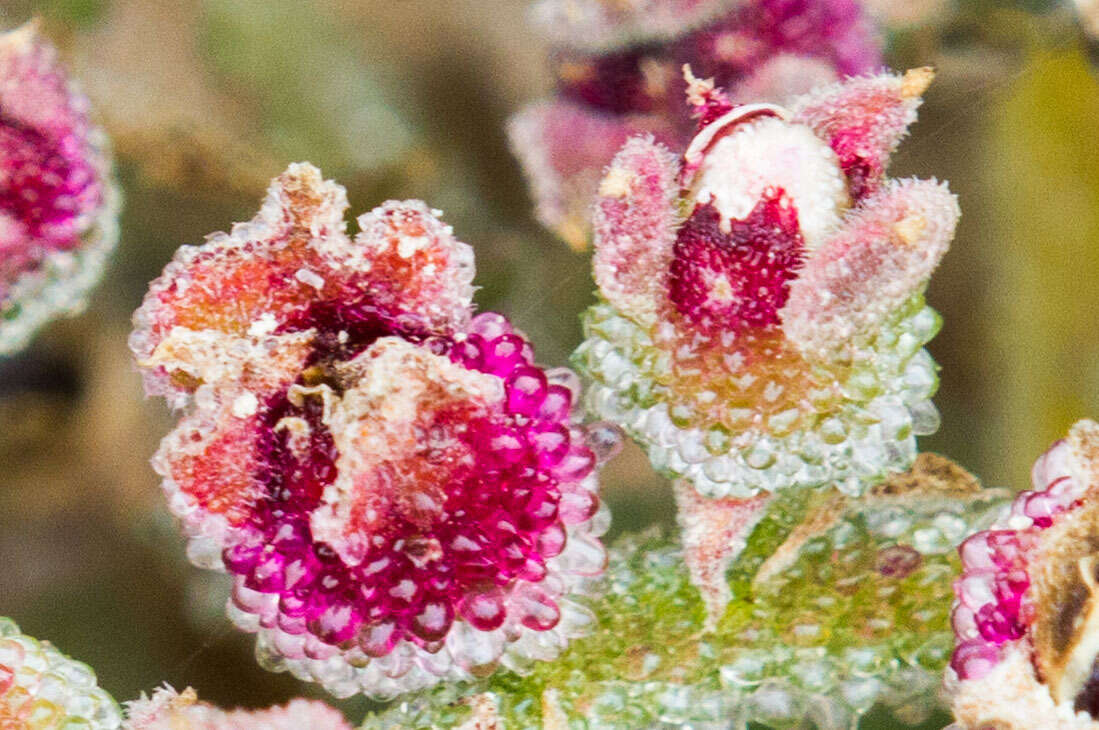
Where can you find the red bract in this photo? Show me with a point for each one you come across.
(738, 279)
(57, 202)
(618, 71)
(400, 492)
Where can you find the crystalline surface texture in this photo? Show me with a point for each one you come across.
(856, 616)
(400, 493)
(42, 689)
(736, 420)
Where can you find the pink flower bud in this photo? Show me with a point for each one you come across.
(754, 313)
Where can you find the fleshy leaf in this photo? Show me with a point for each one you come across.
(856, 617)
(42, 688)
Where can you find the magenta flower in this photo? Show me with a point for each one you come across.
(1027, 616)
(57, 200)
(618, 70)
(400, 493)
(171, 710)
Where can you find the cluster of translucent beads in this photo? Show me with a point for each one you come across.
(991, 592)
(520, 533)
(768, 682)
(862, 427)
(846, 627)
(42, 689)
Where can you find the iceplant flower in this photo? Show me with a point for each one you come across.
(171, 710)
(41, 688)
(58, 203)
(617, 68)
(1027, 610)
(400, 493)
(761, 316)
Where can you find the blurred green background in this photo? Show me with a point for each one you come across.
(206, 100)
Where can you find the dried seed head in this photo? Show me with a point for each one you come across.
(1027, 610)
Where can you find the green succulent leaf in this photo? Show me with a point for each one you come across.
(854, 613)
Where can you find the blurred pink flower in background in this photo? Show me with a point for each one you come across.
(618, 75)
(57, 201)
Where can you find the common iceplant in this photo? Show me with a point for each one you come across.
(401, 495)
(408, 504)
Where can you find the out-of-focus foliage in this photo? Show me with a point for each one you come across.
(1043, 172)
(831, 614)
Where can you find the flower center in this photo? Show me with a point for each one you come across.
(737, 279)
